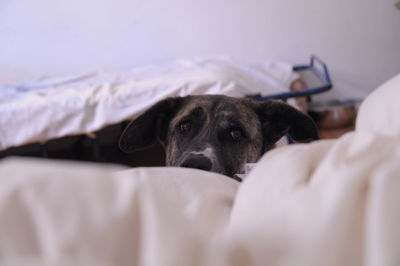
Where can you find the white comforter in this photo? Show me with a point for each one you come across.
(326, 203)
(81, 104)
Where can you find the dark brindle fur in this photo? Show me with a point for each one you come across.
(214, 132)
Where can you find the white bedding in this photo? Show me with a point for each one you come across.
(81, 104)
(332, 202)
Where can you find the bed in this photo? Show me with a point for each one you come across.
(337, 204)
(81, 116)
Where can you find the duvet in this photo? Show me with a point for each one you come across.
(332, 202)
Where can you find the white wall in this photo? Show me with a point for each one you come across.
(359, 39)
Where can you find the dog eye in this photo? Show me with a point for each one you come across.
(235, 134)
(185, 126)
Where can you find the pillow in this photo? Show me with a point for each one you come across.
(380, 111)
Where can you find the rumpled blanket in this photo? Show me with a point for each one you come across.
(84, 103)
(330, 202)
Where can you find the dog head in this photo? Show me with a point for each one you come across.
(214, 132)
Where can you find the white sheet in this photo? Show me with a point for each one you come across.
(333, 202)
(53, 108)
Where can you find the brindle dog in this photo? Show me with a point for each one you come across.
(216, 133)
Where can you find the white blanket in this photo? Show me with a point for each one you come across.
(81, 104)
(330, 202)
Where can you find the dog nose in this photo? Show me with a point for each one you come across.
(197, 162)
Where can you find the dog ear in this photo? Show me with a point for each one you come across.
(149, 127)
(279, 119)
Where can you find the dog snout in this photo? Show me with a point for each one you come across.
(197, 162)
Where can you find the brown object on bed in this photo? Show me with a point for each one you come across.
(302, 103)
(334, 133)
(300, 85)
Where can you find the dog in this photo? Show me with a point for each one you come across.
(214, 132)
